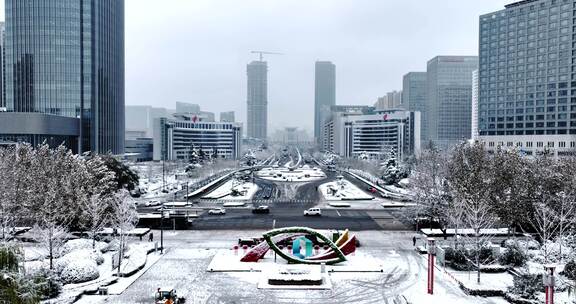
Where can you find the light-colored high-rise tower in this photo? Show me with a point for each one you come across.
(257, 100)
(414, 97)
(324, 94)
(475, 105)
(449, 95)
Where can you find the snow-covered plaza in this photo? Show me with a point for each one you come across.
(398, 275)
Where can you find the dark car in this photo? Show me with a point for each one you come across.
(261, 209)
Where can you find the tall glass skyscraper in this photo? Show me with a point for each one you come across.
(324, 94)
(527, 77)
(65, 58)
(449, 99)
(257, 72)
(414, 95)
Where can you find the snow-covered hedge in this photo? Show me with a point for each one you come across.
(78, 244)
(79, 271)
(82, 254)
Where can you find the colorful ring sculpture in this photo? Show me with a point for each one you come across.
(336, 253)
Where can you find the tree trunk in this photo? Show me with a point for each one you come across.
(50, 250)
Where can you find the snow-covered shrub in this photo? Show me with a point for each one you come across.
(523, 244)
(79, 271)
(82, 254)
(74, 245)
(512, 256)
(570, 270)
(527, 285)
(48, 285)
(457, 259)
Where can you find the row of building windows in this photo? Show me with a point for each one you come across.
(530, 144)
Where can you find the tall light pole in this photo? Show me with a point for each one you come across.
(162, 229)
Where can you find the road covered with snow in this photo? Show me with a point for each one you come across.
(233, 190)
(342, 190)
(184, 267)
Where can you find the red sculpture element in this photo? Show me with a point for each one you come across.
(347, 248)
(260, 250)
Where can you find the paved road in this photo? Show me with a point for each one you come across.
(292, 215)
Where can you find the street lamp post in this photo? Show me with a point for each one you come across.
(187, 199)
(162, 229)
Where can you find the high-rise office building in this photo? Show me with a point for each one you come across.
(448, 99)
(474, 126)
(257, 100)
(2, 91)
(64, 64)
(527, 83)
(414, 96)
(227, 116)
(324, 94)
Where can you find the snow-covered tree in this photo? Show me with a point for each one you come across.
(511, 188)
(51, 237)
(124, 218)
(478, 216)
(15, 178)
(470, 183)
(429, 187)
(99, 187)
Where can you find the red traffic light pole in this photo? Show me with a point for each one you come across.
(431, 254)
(549, 282)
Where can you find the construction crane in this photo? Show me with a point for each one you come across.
(261, 53)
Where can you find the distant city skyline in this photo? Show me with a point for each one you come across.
(197, 51)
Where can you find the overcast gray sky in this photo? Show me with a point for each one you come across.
(197, 50)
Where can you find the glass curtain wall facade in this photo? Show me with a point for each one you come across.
(414, 96)
(257, 72)
(449, 99)
(66, 58)
(324, 95)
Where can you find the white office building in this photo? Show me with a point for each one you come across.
(175, 139)
(352, 131)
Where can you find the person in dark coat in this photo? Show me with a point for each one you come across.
(414, 241)
(150, 237)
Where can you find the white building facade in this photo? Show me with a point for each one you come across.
(373, 133)
(176, 139)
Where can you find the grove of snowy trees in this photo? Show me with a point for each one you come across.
(469, 188)
(56, 192)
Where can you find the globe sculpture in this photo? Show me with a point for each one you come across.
(336, 252)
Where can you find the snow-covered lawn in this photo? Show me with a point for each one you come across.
(303, 174)
(243, 191)
(488, 281)
(342, 190)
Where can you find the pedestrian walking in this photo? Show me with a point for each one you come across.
(151, 237)
(414, 241)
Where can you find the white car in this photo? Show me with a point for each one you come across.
(152, 203)
(313, 211)
(217, 211)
